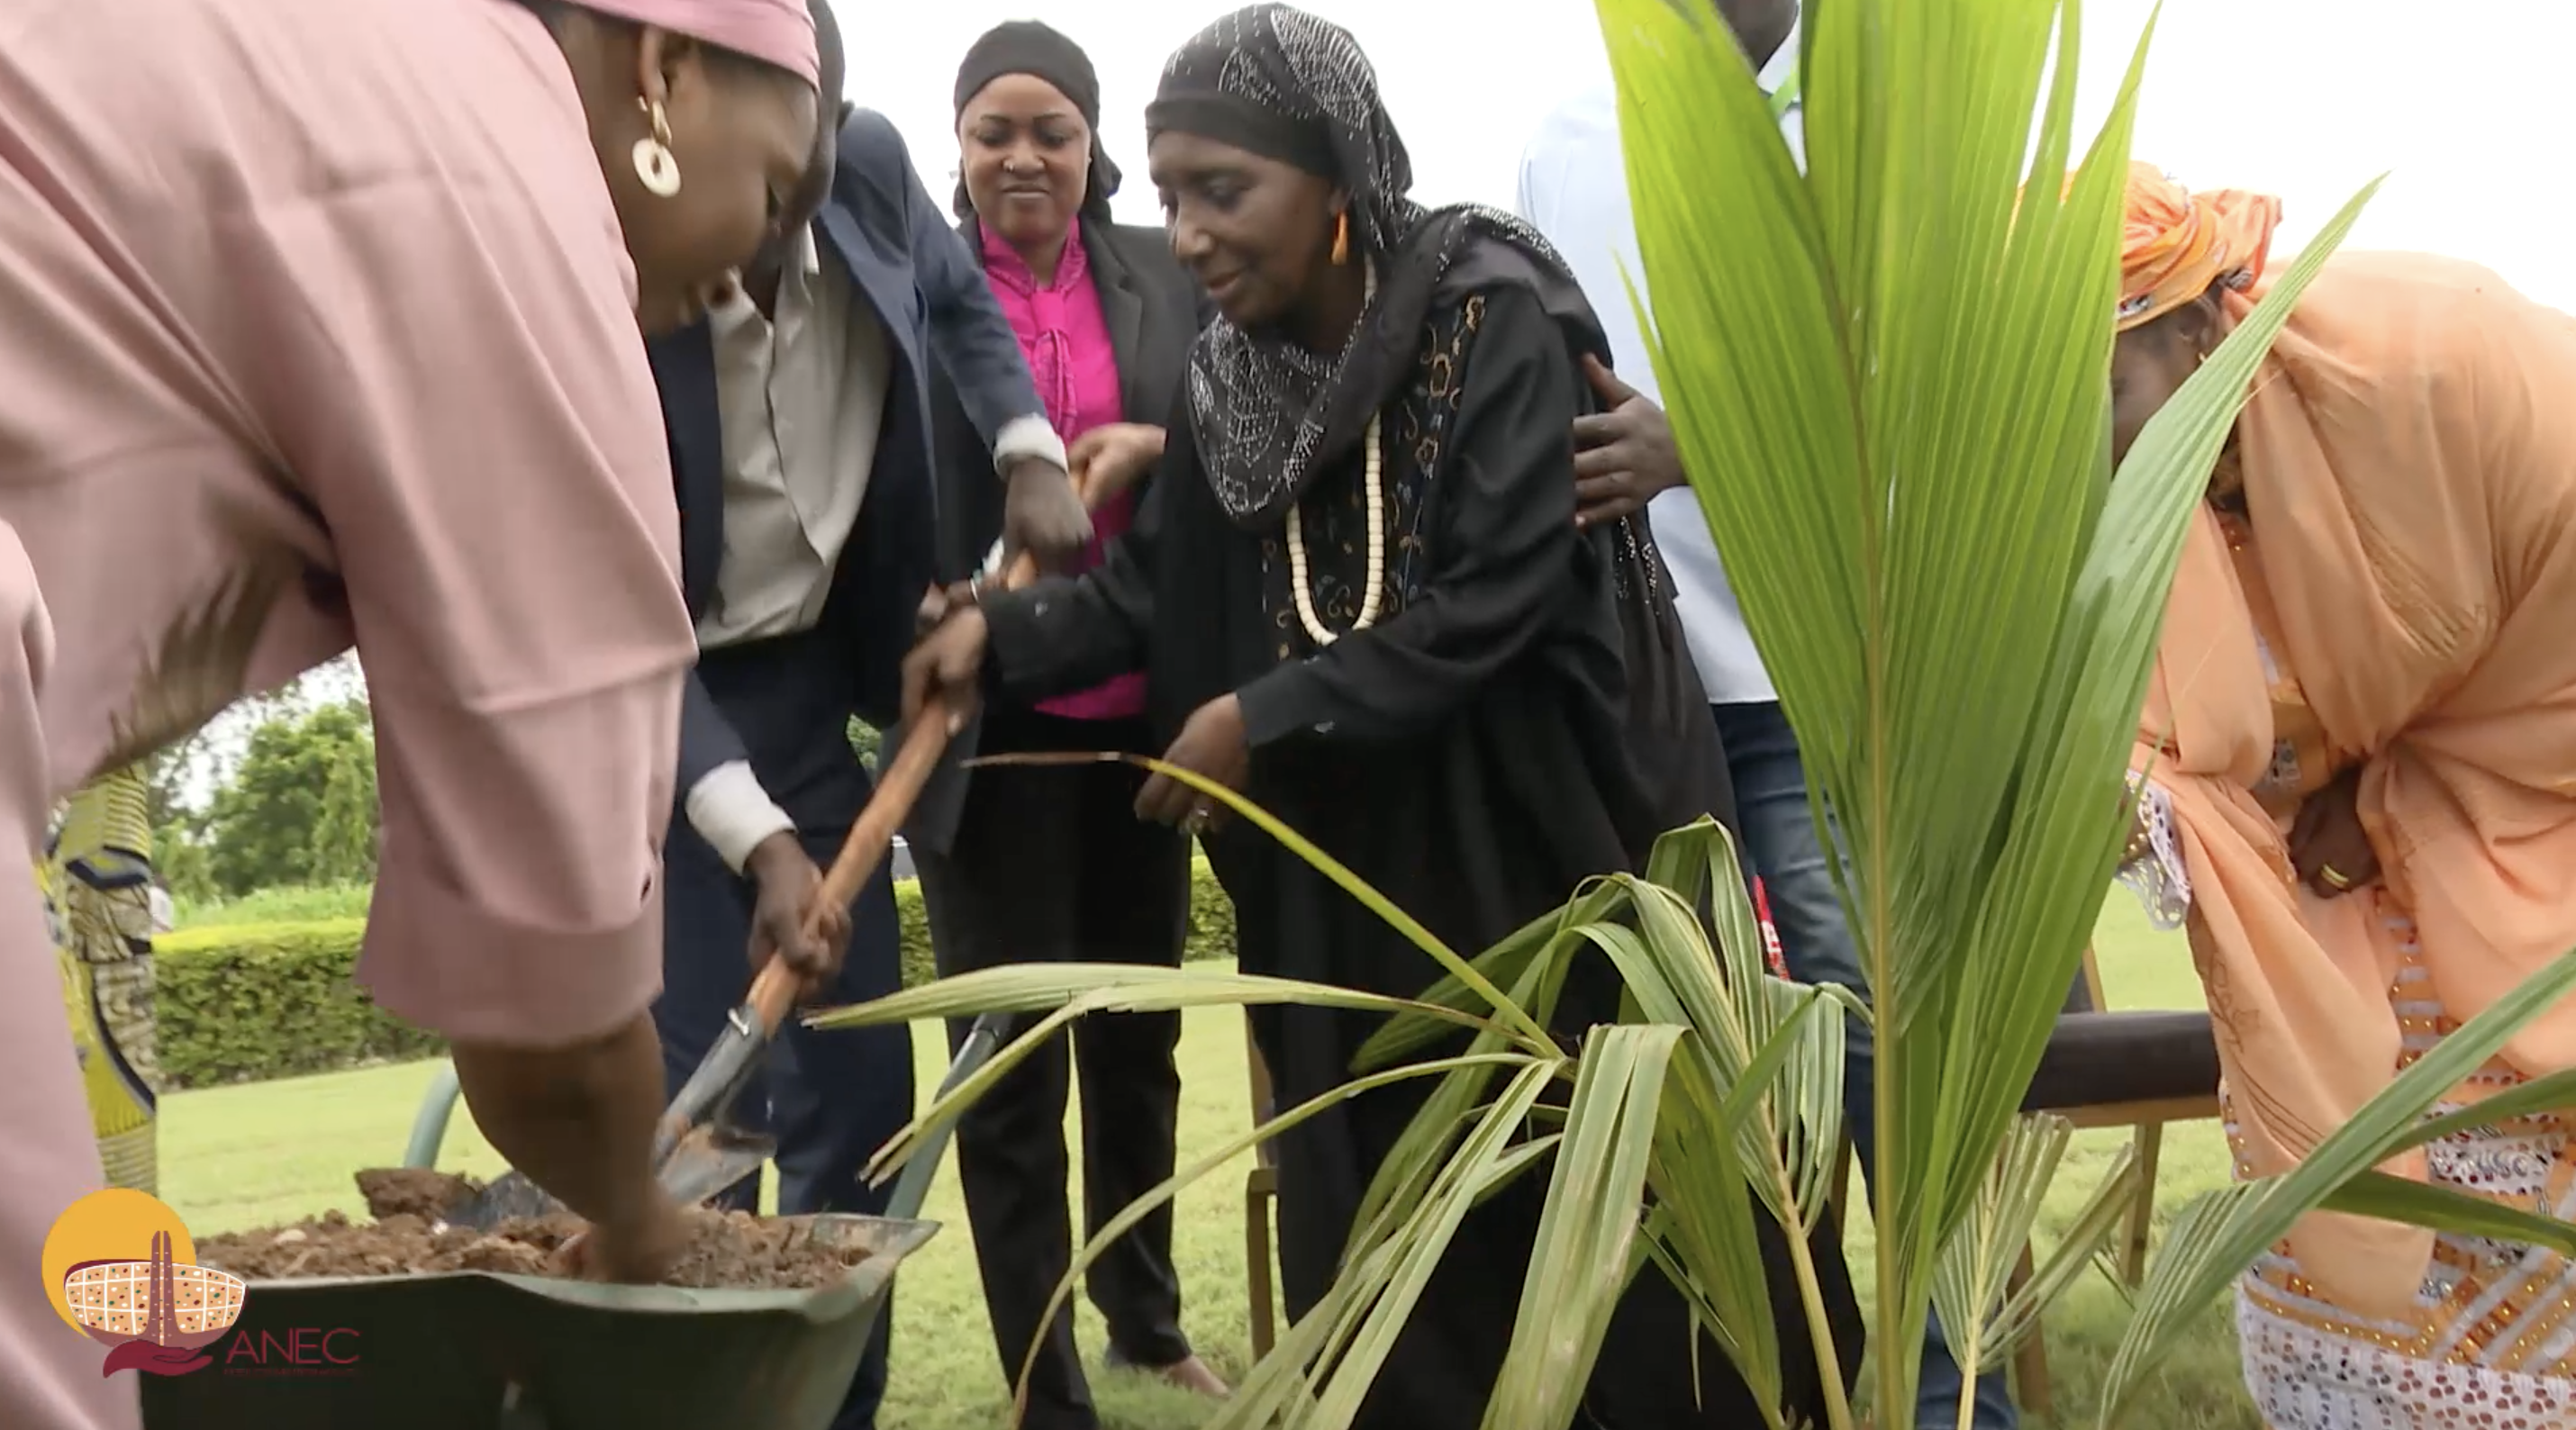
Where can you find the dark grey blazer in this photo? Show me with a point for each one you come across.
(1155, 311)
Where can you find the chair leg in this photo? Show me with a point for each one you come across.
(2142, 1207)
(2030, 1360)
(1260, 1188)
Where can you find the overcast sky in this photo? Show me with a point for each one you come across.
(2306, 98)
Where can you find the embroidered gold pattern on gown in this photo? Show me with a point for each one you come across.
(2492, 1339)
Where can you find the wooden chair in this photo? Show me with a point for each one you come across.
(1260, 1194)
(2072, 1084)
(2112, 1069)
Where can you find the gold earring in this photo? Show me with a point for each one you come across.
(655, 164)
(1341, 238)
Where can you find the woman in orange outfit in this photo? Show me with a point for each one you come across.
(2359, 752)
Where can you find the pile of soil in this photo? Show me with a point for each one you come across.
(409, 1236)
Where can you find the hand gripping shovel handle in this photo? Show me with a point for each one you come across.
(738, 1050)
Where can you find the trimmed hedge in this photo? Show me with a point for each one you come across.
(250, 1002)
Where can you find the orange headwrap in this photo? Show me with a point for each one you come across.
(2174, 243)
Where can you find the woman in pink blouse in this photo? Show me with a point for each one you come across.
(319, 327)
(1052, 863)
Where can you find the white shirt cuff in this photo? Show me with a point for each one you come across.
(1026, 438)
(733, 813)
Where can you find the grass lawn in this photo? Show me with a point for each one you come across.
(249, 1156)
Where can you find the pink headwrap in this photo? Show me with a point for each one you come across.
(778, 31)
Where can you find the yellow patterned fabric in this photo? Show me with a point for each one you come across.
(97, 882)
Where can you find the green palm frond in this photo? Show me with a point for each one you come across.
(2222, 1233)
(1889, 378)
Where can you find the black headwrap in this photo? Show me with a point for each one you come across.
(1265, 411)
(1030, 47)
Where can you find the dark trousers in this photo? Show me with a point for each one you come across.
(1051, 863)
(831, 1098)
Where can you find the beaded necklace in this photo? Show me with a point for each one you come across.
(1372, 484)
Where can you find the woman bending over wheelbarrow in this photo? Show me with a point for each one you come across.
(319, 327)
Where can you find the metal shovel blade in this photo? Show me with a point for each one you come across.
(512, 1197)
(710, 1159)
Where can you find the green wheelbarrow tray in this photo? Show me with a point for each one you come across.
(488, 1351)
(471, 1350)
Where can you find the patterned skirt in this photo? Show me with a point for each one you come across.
(97, 880)
(2491, 1342)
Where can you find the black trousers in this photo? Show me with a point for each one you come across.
(1051, 863)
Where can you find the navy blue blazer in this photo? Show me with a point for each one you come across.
(929, 292)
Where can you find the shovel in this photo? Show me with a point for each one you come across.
(698, 1148)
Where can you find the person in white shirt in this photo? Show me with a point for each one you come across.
(1573, 188)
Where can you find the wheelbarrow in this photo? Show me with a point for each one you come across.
(488, 1351)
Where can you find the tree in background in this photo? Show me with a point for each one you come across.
(300, 808)
(344, 838)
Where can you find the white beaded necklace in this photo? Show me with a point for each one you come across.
(1372, 484)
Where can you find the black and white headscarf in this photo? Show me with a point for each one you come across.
(1265, 411)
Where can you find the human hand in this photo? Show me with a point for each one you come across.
(1211, 743)
(637, 1250)
(938, 602)
(1042, 514)
(785, 922)
(2329, 847)
(1107, 460)
(1623, 456)
(948, 664)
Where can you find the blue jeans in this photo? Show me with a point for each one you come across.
(1781, 844)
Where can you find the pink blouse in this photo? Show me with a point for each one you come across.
(1065, 336)
(301, 352)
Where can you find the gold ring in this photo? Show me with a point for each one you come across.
(2334, 876)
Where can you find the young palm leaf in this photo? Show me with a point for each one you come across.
(1971, 1285)
(1586, 1248)
(1890, 381)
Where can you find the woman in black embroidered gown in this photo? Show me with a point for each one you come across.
(1360, 596)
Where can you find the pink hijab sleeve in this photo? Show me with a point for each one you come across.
(459, 388)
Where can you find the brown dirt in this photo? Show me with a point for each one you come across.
(729, 1249)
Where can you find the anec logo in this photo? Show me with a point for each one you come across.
(120, 1269)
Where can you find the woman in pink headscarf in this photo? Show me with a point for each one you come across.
(319, 327)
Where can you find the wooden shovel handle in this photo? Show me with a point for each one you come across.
(898, 786)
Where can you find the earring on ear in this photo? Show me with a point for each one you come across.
(1341, 238)
(655, 165)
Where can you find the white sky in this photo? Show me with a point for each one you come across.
(2305, 98)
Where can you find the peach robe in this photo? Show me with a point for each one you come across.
(316, 327)
(2410, 470)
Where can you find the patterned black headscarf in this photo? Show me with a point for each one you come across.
(1266, 412)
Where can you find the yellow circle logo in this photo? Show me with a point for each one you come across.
(122, 1270)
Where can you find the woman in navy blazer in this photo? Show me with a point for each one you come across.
(1051, 863)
